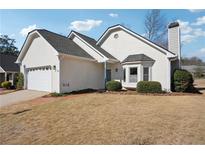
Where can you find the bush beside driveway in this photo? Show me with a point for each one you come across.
(105, 119)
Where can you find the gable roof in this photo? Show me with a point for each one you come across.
(93, 43)
(162, 49)
(7, 62)
(63, 44)
(137, 57)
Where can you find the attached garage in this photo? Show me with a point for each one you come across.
(40, 78)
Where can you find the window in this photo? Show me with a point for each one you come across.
(146, 73)
(133, 74)
(116, 36)
(124, 75)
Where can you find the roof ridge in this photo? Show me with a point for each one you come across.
(52, 32)
(85, 35)
(137, 54)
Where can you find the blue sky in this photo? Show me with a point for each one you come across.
(17, 23)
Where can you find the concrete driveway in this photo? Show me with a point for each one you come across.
(19, 96)
(200, 85)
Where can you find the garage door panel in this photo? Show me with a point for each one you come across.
(39, 80)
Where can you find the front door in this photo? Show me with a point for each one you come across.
(108, 74)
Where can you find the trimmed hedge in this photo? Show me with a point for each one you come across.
(183, 81)
(149, 87)
(113, 86)
(6, 84)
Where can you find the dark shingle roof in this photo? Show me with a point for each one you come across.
(63, 44)
(7, 62)
(137, 57)
(93, 42)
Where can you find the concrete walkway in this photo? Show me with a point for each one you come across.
(19, 96)
(200, 85)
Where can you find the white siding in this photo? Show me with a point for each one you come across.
(174, 40)
(88, 49)
(126, 45)
(1, 70)
(116, 75)
(78, 74)
(40, 53)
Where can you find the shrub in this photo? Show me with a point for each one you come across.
(113, 85)
(6, 84)
(20, 81)
(149, 87)
(183, 81)
(57, 94)
(15, 80)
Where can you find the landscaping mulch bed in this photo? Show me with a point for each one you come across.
(122, 92)
(132, 92)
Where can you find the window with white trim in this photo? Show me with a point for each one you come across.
(133, 74)
(146, 73)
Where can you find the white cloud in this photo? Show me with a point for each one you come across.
(202, 51)
(199, 21)
(199, 53)
(12, 35)
(26, 30)
(85, 25)
(184, 26)
(199, 32)
(144, 34)
(196, 33)
(196, 10)
(187, 38)
(114, 15)
(189, 33)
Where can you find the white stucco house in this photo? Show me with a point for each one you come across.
(55, 63)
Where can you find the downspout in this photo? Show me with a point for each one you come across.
(105, 73)
(25, 76)
(169, 76)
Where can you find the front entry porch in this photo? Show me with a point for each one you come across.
(8, 76)
(133, 69)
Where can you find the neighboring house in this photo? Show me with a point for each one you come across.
(193, 68)
(8, 67)
(55, 63)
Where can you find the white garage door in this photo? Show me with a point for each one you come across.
(39, 79)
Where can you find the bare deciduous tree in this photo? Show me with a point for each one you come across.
(156, 27)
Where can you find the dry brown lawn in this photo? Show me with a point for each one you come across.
(105, 119)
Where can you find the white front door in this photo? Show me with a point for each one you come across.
(39, 79)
